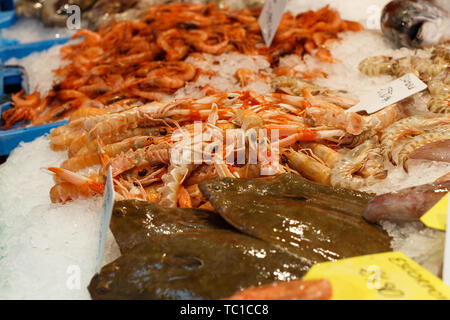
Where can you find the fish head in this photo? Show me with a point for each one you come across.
(414, 23)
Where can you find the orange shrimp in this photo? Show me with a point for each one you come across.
(244, 76)
(292, 290)
(184, 199)
(84, 112)
(172, 42)
(65, 191)
(325, 55)
(85, 185)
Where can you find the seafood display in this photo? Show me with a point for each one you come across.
(98, 13)
(270, 134)
(144, 59)
(434, 71)
(172, 253)
(415, 23)
(406, 205)
(236, 167)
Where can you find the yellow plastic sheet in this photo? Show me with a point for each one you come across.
(384, 276)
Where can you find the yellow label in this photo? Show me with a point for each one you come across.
(383, 276)
(436, 217)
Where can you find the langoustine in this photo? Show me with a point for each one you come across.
(140, 161)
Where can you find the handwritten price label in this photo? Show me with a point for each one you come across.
(270, 19)
(391, 93)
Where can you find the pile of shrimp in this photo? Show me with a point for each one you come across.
(144, 59)
(434, 70)
(309, 135)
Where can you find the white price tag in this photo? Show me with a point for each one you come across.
(105, 218)
(391, 93)
(270, 19)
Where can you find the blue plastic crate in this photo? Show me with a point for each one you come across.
(10, 139)
(7, 13)
(12, 80)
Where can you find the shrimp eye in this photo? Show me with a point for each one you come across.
(284, 159)
(142, 173)
(135, 184)
(163, 131)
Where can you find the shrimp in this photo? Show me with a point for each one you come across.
(60, 142)
(326, 154)
(80, 185)
(202, 173)
(373, 124)
(91, 158)
(343, 173)
(315, 94)
(217, 48)
(307, 166)
(172, 182)
(440, 85)
(245, 76)
(91, 38)
(117, 123)
(196, 195)
(184, 198)
(172, 41)
(84, 112)
(93, 145)
(337, 118)
(378, 65)
(407, 126)
(439, 134)
(309, 135)
(65, 191)
(151, 155)
(439, 105)
(171, 75)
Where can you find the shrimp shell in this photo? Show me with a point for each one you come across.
(117, 123)
(407, 126)
(91, 158)
(172, 181)
(204, 172)
(378, 65)
(342, 174)
(307, 166)
(326, 154)
(441, 133)
(151, 155)
(336, 118)
(65, 191)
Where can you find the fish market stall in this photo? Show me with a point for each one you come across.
(326, 143)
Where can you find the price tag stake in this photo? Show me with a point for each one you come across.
(270, 19)
(105, 218)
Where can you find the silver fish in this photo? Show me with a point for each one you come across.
(415, 23)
